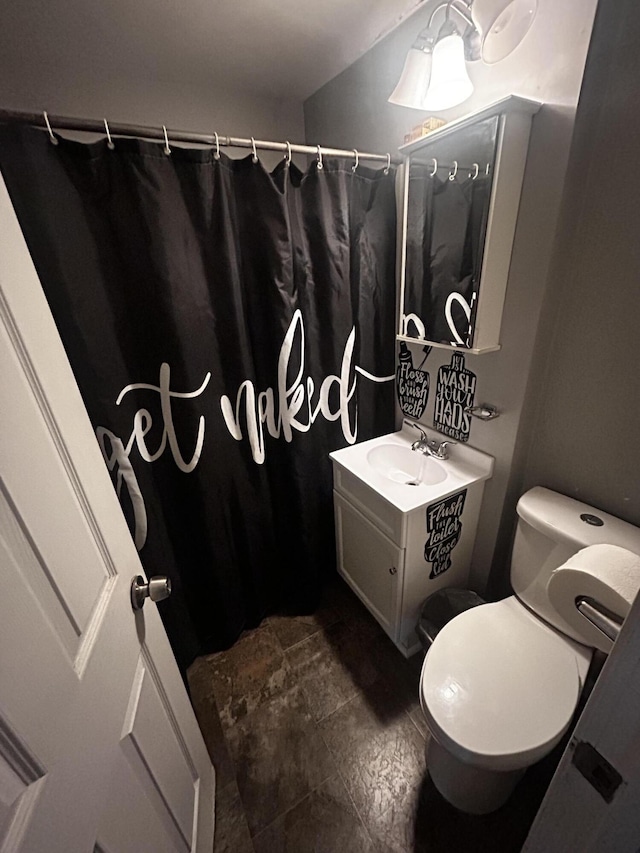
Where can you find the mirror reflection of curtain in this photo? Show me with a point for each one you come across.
(447, 220)
(262, 306)
(418, 267)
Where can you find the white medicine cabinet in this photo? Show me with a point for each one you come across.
(461, 193)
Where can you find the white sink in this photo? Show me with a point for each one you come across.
(403, 465)
(406, 478)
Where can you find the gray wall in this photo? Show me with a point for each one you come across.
(80, 91)
(584, 400)
(352, 111)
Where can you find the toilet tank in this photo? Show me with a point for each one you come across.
(551, 528)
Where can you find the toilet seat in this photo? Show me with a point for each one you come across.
(499, 687)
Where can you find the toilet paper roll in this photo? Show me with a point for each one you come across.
(608, 574)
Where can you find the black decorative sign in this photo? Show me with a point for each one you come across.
(455, 391)
(444, 527)
(412, 384)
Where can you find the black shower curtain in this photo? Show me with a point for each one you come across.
(446, 221)
(227, 328)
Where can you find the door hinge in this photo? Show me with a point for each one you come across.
(596, 770)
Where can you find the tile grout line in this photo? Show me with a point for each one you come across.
(224, 729)
(296, 681)
(300, 642)
(351, 800)
(338, 771)
(359, 692)
(309, 636)
(358, 689)
(234, 781)
(320, 784)
(341, 617)
(415, 725)
(296, 804)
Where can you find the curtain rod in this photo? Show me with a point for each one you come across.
(96, 126)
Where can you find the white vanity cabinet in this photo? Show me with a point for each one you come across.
(397, 543)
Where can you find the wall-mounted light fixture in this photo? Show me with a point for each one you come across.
(435, 76)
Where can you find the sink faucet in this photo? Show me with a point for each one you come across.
(429, 446)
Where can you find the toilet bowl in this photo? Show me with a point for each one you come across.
(501, 681)
(498, 690)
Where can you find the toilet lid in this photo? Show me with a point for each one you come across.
(498, 686)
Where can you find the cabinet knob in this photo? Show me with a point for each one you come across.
(393, 570)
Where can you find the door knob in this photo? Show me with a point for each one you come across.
(157, 588)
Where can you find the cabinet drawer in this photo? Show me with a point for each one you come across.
(386, 517)
(370, 562)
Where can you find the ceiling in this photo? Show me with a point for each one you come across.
(284, 48)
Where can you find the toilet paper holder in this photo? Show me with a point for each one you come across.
(603, 619)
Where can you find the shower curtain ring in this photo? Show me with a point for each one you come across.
(475, 174)
(110, 144)
(254, 156)
(319, 161)
(167, 150)
(454, 171)
(54, 141)
(355, 165)
(435, 167)
(217, 154)
(388, 166)
(287, 159)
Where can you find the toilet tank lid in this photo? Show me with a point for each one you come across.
(563, 519)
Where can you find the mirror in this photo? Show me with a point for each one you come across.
(448, 193)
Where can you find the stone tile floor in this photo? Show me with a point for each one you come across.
(315, 730)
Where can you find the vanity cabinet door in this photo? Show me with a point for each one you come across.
(371, 564)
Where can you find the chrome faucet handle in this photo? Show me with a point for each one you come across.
(423, 435)
(439, 449)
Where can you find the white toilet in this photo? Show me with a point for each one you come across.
(501, 681)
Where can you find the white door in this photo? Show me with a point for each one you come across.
(593, 801)
(99, 747)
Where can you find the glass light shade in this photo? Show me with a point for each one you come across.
(502, 25)
(414, 80)
(450, 84)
